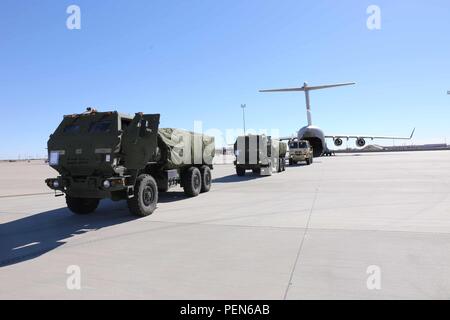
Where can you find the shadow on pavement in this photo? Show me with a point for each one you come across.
(235, 178)
(297, 165)
(171, 196)
(30, 237)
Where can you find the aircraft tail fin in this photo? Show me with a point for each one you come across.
(306, 90)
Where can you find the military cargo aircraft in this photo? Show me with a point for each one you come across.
(315, 135)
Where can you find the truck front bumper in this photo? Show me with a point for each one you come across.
(298, 157)
(88, 187)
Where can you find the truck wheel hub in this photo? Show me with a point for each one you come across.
(148, 196)
(196, 181)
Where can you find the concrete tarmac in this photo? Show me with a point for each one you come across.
(312, 232)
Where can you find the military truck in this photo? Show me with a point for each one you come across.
(109, 155)
(299, 151)
(259, 153)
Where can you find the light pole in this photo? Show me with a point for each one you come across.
(243, 106)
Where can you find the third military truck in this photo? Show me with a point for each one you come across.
(259, 153)
(108, 155)
(299, 151)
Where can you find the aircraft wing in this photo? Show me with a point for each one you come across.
(345, 136)
(285, 138)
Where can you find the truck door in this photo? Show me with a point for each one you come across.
(139, 141)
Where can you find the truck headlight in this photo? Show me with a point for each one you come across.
(106, 184)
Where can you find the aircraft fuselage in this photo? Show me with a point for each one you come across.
(316, 138)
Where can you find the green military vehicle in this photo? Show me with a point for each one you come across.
(299, 151)
(108, 155)
(259, 153)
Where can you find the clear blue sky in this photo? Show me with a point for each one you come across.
(199, 60)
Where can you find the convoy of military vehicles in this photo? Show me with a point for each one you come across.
(109, 155)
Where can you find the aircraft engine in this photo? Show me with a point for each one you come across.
(338, 142)
(360, 142)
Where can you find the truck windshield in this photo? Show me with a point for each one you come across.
(101, 126)
(298, 145)
(72, 129)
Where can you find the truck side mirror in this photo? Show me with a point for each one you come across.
(143, 128)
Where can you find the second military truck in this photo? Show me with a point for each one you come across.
(259, 153)
(102, 155)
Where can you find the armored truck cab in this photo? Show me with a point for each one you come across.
(102, 155)
(259, 153)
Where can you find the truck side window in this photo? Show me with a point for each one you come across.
(125, 123)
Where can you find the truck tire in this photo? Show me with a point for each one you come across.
(308, 161)
(279, 166)
(291, 162)
(240, 172)
(192, 182)
(145, 197)
(206, 179)
(82, 205)
(283, 164)
(312, 160)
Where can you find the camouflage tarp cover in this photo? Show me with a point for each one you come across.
(181, 148)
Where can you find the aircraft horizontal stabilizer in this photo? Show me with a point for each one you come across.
(309, 88)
